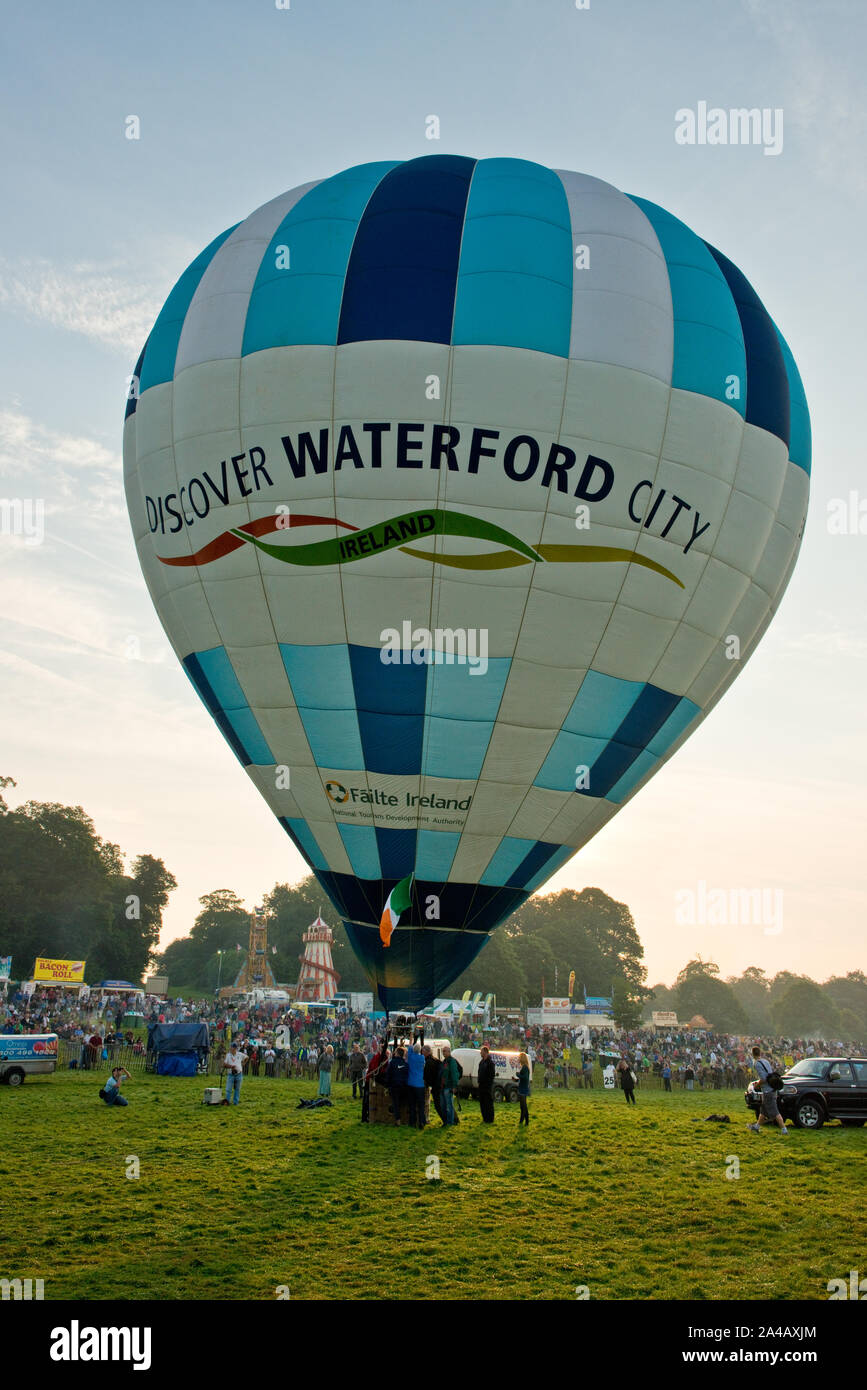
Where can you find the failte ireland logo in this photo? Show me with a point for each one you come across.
(374, 796)
(395, 533)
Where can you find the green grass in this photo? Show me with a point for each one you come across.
(232, 1202)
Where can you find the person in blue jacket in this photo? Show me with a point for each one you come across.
(415, 1086)
(396, 1079)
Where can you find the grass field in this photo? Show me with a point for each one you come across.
(233, 1202)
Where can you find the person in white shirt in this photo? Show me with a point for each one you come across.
(233, 1066)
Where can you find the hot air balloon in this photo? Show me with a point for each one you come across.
(463, 489)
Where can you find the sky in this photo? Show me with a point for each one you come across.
(238, 102)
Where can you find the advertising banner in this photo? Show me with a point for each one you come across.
(59, 972)
(5, 967)
(28, 1047)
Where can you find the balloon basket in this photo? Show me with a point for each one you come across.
(381, 1112)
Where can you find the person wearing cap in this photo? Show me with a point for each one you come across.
(233, 1066)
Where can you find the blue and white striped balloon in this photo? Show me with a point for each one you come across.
(457, 485)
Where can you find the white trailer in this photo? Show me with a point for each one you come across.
(506, 1069)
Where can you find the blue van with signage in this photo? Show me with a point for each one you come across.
(26, 1054)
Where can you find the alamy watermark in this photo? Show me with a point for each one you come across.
(22, 1290)
(442, 646)
(23, 516)
(855, 1288)
(847, 516)
(77, 1343)
(741, 125)
(730, 907)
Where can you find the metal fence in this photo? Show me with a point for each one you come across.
(644, 1080)
(135, 1061)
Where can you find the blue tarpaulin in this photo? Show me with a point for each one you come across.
(176, 1049)
(177, 1064)
(178, 1037)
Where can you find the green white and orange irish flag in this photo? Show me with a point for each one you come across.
(397, 902)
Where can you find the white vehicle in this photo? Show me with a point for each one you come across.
(506, 1069)
(26, 1054)
(268, 996)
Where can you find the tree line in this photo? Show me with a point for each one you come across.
(785, 1005)
(546, 938)
(65, 891)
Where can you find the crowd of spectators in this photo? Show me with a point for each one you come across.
(278, 1041)
(696, 1059)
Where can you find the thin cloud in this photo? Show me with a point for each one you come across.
(25, 444)
(93, 300)
(823, 91)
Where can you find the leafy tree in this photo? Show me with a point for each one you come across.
(779, 984)
(222, 924)
(849, 993)
(752, 991)
(660, 999)
(64, 892)
(587, 932)
(626, 1006)
(700, 991)
(850, 1027)
(805, 1008)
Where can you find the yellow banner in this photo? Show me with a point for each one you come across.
(59, 972)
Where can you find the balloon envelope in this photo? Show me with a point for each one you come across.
(462, 489)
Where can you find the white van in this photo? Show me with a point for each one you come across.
(26, 1054)
(268, 996)
(506, 1069)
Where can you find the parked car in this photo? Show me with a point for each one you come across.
(819, 1089)
(25, 1054)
